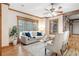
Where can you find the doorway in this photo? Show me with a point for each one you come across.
(76, 27)
(73, 20)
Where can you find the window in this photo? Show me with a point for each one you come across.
(25, 24)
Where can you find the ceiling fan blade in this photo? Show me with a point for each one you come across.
(48, 10)
(59, 11)
(52, 10)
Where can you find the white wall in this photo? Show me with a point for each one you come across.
(41, 25)
(5, 25)
(47, 26)
(60, 24)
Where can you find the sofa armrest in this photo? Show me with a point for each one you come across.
(24, 39)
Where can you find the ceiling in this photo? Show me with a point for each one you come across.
(38, 9)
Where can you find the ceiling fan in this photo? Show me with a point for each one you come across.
(53, 10)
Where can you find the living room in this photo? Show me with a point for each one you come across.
(39, 25)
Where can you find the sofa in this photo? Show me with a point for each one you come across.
(28, 37)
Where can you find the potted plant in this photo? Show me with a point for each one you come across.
(14, 34)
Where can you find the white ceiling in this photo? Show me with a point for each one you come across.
(38, 9)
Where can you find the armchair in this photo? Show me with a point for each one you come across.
(59, 44)
(56, 45)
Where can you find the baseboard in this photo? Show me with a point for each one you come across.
(10, 44)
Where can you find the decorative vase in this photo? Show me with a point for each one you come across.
(15, 41)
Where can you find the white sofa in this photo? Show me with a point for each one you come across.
(34, 37)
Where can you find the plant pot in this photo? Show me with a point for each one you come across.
(15, 41)
(11, 39)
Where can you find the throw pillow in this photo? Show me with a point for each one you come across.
(28, 34)
(39, 34)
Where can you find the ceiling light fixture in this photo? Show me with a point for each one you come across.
(53, 11)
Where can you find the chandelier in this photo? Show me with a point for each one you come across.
(53, 11)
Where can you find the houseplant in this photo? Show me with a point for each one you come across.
(14, 33)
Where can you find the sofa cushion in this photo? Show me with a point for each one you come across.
(32, 33)
(28, 34)
(39, 34)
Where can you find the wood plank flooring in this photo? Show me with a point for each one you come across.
(73, 46)
(74, 42)
(14, 51)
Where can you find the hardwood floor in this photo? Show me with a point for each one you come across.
(74, 42)
(18, 50)
(73, 46)
(14, 51)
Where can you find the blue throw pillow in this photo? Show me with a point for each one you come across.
(28, 34)
(39, 34)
